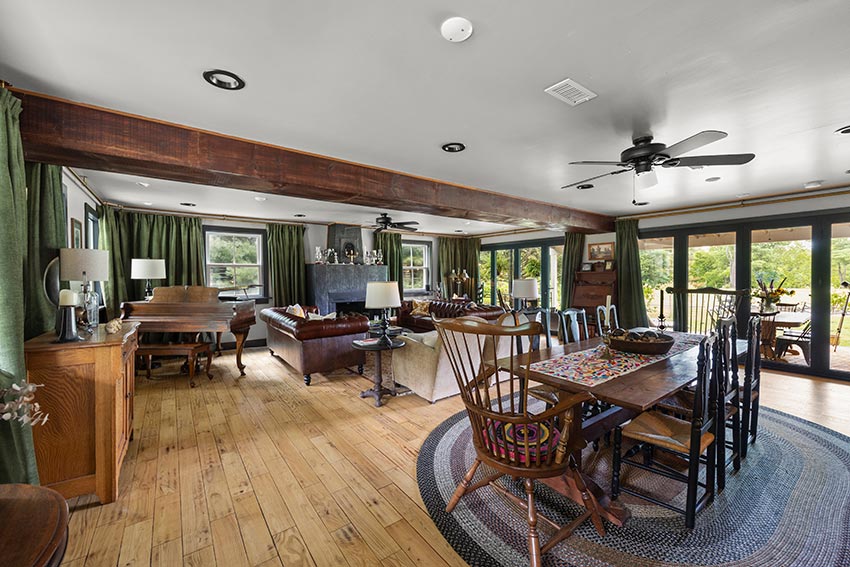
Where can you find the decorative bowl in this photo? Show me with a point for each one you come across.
(660, 345)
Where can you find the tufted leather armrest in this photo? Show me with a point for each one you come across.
(302, 329)
(444, 309)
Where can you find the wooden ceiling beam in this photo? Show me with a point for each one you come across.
(72, 134)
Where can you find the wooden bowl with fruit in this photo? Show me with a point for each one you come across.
(641, 342)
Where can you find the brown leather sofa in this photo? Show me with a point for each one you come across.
(443, 310)
(315, 346)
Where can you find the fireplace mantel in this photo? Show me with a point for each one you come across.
(329, 284)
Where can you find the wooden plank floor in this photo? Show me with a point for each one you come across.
(265, 471)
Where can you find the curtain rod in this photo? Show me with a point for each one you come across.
(834, 191)
(233, 218)
(85, 186)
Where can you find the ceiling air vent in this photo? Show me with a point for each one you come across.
(571, 92)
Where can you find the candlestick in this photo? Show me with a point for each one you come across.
(662, 303)
(607, 310)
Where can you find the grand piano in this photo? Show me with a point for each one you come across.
(193, 309)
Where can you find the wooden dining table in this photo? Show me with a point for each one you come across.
(778, 320)
(629, 394)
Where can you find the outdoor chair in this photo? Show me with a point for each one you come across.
(508, 437)
(801, 339)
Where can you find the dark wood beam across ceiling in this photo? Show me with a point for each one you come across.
(72, 134)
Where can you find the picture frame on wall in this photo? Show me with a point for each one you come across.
(76, 233)
(609, 265)
(600, 251)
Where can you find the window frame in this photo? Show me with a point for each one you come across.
(263, 295)
(426, 268)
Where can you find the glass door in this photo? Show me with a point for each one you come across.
(530, 266)
(711, 260)
(504, 272)
(839, 333)
(656, 266)
(556, 275)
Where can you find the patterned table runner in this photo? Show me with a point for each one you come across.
(587, 368)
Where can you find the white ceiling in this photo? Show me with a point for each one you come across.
(374, 82)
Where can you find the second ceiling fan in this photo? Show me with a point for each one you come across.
(645, 154)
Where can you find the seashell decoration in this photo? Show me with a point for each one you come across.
(113, 326)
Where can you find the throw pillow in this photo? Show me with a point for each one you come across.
(296, 310)
(317, 317)
(421, 307)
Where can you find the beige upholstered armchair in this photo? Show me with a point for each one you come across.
(423, 366)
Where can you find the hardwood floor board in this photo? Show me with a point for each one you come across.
(356, 551)
(408, 485)
(168, 554)
(136, 545)
(367, 468)
(292, 550)
(81, 527)
(167, 474)
(227, 542)
(274, 508)
(234, 469)
(194, 517)
(255, 533)
(327, 448)
(106, 545)
(166, 520)
(273, 562)
(326, 507)
(328, 477)
(416, 548)
(202, 558)
(381, 542)
(251, 459)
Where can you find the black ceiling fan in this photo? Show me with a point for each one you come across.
(384, 222)
(645, 154)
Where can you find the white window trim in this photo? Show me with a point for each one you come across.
(426, 268)
(260, 235)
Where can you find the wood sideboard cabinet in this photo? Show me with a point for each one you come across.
(88, 394)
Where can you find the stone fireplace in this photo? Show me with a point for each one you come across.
(339, 287)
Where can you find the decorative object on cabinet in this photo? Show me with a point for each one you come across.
(88, 392)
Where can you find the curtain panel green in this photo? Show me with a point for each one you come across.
(573, 250)
(390, 244)
(631, 308)
(46, 235)
(287, 273)
(17, 454)
(458, 254)
(127, 235)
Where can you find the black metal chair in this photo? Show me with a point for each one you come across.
(752, 386)
(688, 440)
(801, 339)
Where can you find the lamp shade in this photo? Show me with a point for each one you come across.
(525, 288)
(380, 295)
(79, 264)
(144, 269)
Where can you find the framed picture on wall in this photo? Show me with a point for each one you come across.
(609, 265)
(76, 233)
(586, 267)
(600, 251)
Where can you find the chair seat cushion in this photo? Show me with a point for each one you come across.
(509, 442)
(664, 430)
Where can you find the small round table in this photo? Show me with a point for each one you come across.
(34, 526)
(377, 347)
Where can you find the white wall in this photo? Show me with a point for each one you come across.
(78, 198)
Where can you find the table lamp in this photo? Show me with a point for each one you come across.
(87, 266)
(526, 290)
(147, 269)
(383, 296)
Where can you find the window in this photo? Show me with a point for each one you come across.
(415, 264)
(656, 269)
(235, 260)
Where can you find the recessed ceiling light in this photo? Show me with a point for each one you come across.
(814, 184)
(224, 79)
(742, 195)
(458, 230)
(467, 223)
(260, 199)
(188, 204)
(711, 179)
(142, 184)
(843, 130)
(453, 147)
(847, 172)
(299, 215)
(456, 29)
(147, 203)
(584, 186)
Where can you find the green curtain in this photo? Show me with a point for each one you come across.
(631, 308)
(573, 250)
(127, 235)
(17, 454)
(46, 221)
(287, 273)
(390, 244)
(458, 254)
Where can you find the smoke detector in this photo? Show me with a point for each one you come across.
(456, 29)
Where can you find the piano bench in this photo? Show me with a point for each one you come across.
(189, 350)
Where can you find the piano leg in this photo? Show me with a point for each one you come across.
(240, 335)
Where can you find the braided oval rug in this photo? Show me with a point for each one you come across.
(788, 506)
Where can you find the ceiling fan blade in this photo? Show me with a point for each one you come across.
(401, 223)
(700, 161)
(696, 141)
(612, 163)
(408, 228)
(597, 177)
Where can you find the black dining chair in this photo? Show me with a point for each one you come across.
(693, 441)
(751, 387)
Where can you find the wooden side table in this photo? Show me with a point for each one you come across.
(378, 390)
(34, 526)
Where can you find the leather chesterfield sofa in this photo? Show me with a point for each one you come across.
(315, 346)
(444, 310)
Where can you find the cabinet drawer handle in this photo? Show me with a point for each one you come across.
(129, 395)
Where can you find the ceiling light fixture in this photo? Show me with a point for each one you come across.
(711, 179)
(188, 204)
(814, 184)
(843, 130)
(453, 147)
(742, 195)
(458, 230)
(147, 204)
(143, 184)
(260, 199)
(456, 29)
(299, 215)
(224, 79)
(584, 186)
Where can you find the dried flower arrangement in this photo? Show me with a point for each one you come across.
(17, 403)
(769, 294)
